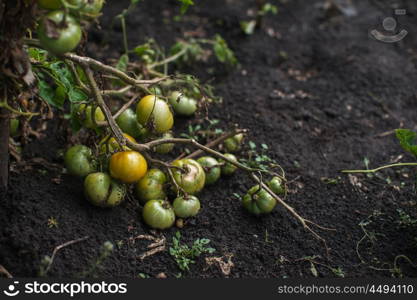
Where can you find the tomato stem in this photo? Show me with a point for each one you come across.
(380, 168)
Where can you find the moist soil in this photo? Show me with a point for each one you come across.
(316, 88)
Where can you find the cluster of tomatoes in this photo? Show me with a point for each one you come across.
(153, 119)
(59, 30)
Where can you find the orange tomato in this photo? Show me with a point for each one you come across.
(128, 166)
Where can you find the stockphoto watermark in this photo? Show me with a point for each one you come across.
(390, 29)
(72, 289)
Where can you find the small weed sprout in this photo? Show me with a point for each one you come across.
(184, 255)
(105, 251)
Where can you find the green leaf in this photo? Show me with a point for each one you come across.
(185, 4)
(122, 63)
(223, 53)
(46, 91)
(407, 139)
(248, 27)
(76, 95)
(37, 54)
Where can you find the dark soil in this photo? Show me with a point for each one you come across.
(350, 89)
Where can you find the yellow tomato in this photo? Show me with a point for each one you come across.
(155, 114)
(111, 144)
(128, 166)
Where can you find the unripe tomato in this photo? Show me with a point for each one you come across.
(190, 177)
(258, 201)
(89, 7)
(228, 168)
(84, 115)
(233, 143)
(277, 186)
(79, 161)
(151, 187)
(158, 214)
(157, 175)
(182, 105)
(128, 123)
(67, 37)
(155, 114)
(103, 191)
(111, 145)
(128, 166)
(50, 4)
(14, 127)
(185, 207)
(211, 167)
(165, 148)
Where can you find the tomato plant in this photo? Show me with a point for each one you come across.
(258, 201)
(101, 190)
(158, 214)
(93, 95)
(57, 34)
(128, 166)
(80, 161)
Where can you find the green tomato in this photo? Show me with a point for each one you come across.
(182, 105)
(165, 148)
(14, 127)
(154, 114)
(101, 190)
(158, 214)
(50, 4)
(185, 207)
(233, 143)
(149, 189)
(79, 161)
(277, 186)
(190, 177)
(157, 175)
(258, 201)
(84, 115)
(228, 168)
(89, 7)
(128, 123)
(60, 38)
(211, 167)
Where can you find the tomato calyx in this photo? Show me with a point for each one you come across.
(165, 204)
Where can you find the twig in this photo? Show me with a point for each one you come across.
(168, 59)
(57, 248)
(5, 272)
(216, 142)
(120, 111)
(117, 92)
(87, 61)
(380, 168)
